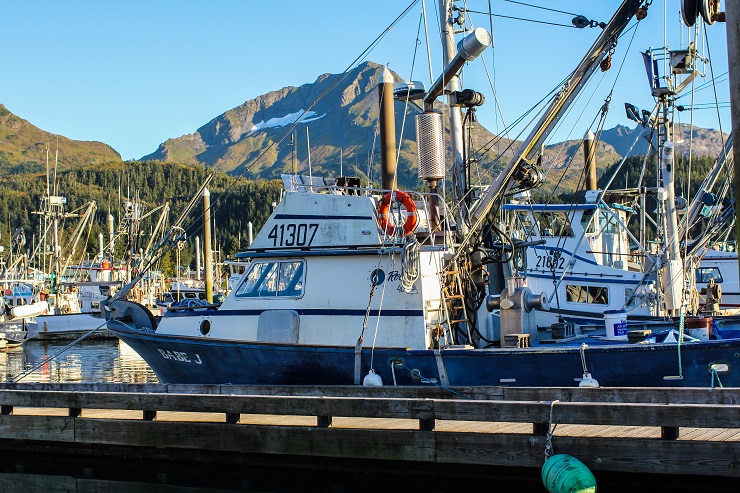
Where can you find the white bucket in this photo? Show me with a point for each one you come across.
(615, 322)
(701, 333)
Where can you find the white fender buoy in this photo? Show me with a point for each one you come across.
(372, 379)
(25, 311)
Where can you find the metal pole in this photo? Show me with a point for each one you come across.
(197, 258)
(456, 136)
(732, 15)
(207, 244)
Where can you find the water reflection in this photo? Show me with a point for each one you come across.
(87, 361)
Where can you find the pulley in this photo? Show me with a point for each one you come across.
(606, 63)
(708, 9)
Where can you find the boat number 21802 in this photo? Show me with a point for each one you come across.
(291, 234)
(550, 261)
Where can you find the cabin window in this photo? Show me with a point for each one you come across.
(554, 223)
(629, 299)
(703, 274)
(598, 295)
(525, 222)
(273, 279)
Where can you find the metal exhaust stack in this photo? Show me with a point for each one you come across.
(429, 126)
(387, 131)
(589, 154)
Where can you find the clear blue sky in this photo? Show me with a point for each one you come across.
(134, 73)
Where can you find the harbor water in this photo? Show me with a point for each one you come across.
(87, 361)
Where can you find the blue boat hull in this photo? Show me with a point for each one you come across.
(192, 360)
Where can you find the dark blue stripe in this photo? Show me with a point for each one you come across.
(549, 207)
(315, 252)
(314, 216)
(306, 311)
(592, 280)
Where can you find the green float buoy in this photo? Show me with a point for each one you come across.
(565, 474)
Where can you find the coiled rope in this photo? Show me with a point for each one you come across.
(409, 264)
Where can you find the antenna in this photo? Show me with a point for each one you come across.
(308, 146)
(292, 151)
(56, 164)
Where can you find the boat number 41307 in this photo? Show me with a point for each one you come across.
(291, 234)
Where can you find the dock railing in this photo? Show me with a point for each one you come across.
(670, 430)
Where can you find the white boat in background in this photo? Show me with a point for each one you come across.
(19, 307)
(721, 265)
(185, 292)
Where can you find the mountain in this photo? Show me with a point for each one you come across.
(341, 125)
(341, 128)
(23, 147)
(562, 159)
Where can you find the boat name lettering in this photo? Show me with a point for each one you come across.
(293, 234)
(549, 261)
(179, 356)
(394, 276)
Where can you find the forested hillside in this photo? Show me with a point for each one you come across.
(235, 202)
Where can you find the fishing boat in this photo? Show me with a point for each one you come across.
(589, 262)
(347, 285)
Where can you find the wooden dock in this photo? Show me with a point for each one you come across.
(671, 431)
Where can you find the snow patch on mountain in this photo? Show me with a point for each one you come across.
(289, 119)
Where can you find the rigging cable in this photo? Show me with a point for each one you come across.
(407, 102)
(539, 7)
(523, 19)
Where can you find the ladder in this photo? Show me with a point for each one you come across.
(453, 296)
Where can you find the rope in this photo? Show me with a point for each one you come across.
(391, 259)
(715, 375)
(49, 358)
(680, 341)
(550, 430)
(409, 264)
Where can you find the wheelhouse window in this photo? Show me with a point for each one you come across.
(629, 298)
(704, 274)
(587, 294)
(273, 280)
(554, 223)
(525, 223)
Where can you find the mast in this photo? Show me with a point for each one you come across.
(520, 168)
(446, 20)
(732, 11)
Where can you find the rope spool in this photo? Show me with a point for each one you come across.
(412, 218)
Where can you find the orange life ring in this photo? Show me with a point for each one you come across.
(412, 219)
